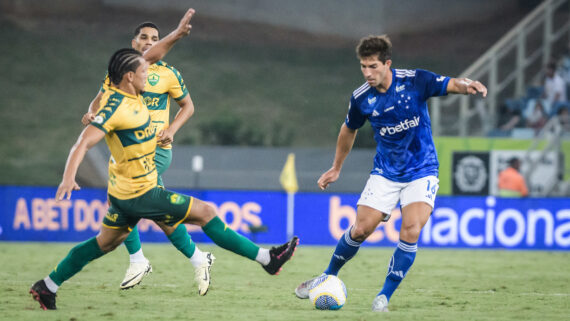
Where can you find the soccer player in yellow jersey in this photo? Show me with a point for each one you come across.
(163, 82)
(125, 123)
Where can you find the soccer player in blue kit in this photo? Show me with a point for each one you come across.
(394, 101)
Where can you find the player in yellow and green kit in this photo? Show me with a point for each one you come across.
(125, 123)
(163, 82)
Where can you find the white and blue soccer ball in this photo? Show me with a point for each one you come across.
(327, 293)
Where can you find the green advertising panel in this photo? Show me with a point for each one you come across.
(445, 147)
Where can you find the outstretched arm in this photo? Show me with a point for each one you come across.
(466, 86)
(159, 49)
(88, 138)
(344, 145)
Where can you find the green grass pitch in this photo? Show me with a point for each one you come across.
(442, 285)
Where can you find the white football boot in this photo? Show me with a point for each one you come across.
(302, 291)
(380, 303)
(135, 273)
(202, 274)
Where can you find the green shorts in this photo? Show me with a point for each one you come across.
(162, 159)
(157, 204)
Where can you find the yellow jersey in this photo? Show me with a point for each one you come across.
(163, 82)
(130, 135)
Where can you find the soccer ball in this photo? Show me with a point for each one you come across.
(327, 293)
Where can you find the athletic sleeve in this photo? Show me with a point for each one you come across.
(104, 119)
(177, 89)
(354, 118)
(105, 84)
(430, 84)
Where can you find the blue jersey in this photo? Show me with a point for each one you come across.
(400, 120)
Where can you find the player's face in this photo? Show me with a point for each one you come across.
(140, 75)
(374, 71)
(145, 39)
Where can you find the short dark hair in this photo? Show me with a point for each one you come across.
(146, 24)
(121, 62)
(514, 161)
(370, 46)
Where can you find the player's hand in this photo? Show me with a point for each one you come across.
(64, 190)
(328, 177)
(87, 118)
(165, 137)
(184, 27)
(474, 87)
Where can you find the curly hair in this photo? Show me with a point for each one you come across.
(123, 61)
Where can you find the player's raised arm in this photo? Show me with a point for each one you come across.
(88, 138)
(466, 86)
(159, 49)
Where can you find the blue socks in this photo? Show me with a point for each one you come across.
(400, 263)
(345, 250)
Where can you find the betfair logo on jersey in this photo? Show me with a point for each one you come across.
(153, 79)
(176, 199)
(403, 125)
(143, 134)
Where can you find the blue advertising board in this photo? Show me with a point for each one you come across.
(31, 214)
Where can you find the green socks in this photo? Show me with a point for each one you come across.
(133, 241)
(227, 238)
(75, 260)
(181, 240)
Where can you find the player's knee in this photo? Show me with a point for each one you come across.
(209, 213)
(107, 247)
(410, 233)
(360, 233)
(109, 243)
(205, 213)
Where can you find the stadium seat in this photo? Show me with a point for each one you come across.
(557, 106)
(514, 104)
(534, 92)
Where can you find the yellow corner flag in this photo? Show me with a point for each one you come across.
(288, 176)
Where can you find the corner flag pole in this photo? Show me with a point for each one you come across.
(288, 180)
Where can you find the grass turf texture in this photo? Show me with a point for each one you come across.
(442, 285)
